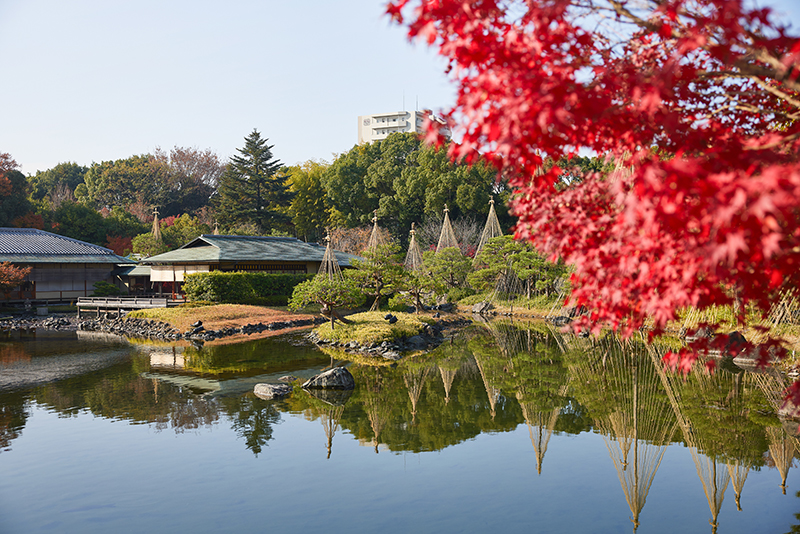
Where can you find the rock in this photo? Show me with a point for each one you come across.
(272, 391)
(336, 378)
(481, 307)
(735, 344)
(575, 311)
(561, 320)
(446, 307)
(391, 355)
(288, 378)
(197, 323)
(392, 319)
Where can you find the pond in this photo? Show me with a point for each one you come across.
(511, 427)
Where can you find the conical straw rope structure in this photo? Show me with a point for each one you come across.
(413, 261)
(490, 230)
(330, 264)
(447, 238)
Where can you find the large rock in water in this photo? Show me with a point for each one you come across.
(336, 378)
(272, 391)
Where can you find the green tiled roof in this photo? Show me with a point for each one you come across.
(236, 248)
(29, 245)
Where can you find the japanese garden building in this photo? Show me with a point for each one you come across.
(62, 268)
(239, 253)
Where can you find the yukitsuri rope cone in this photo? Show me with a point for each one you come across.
(490, 230)
(413, 261)
(375, 238)
(330, 265)
(156, 226)
(447, 238)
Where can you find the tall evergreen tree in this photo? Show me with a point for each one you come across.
(254, 188)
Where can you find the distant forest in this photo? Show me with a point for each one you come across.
(399, 180)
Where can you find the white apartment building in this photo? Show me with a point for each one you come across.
(379, 125)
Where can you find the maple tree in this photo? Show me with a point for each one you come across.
(12, 276)
(695, 102)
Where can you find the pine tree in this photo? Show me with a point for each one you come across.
(253, 188)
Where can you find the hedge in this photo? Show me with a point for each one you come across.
(242, 287)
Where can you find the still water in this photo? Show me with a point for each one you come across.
(512, 428)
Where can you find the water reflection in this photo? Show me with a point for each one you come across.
(494, 378)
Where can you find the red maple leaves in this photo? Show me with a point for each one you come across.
(697, 103)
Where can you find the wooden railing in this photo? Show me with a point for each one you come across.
(118, 304)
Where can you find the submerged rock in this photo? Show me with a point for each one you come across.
(336, 378)
(272, 391)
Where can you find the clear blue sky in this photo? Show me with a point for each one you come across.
(97, 80)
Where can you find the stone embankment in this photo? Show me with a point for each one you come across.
(151, 329)
(32, 322)
(146, 328)
(432, 336)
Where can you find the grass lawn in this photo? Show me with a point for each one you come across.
(218, 315)
(371, 327)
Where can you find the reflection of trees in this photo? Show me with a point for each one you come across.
(13, 416)
(533, 371)
(252, 357)
(721, 417)
(782, 444)
(252, 419)
(387, 400)
(620, 386)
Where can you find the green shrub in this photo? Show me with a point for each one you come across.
(242, 287)
(457, 293)
(399, 303)
(105, 289)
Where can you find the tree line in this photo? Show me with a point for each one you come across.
(113, 203)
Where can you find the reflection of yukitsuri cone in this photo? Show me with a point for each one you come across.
(492, 392)
(491, 229)
(377, 405)
(640, 427)
(448, 375)
(738, 472)
(447, 238)
(413, 261)
(415, 380)
(330, 422)
(782, 448)
(714, 477)
(540, 428)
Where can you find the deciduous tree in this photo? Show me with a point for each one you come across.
(11, 276)
(712, 82)
(310, 209)
(13, 199)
